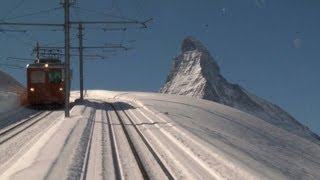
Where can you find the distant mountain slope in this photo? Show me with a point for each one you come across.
(195, 73)
(11, 93)
(9, 84)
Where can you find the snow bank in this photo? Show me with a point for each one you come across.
(10, 93)
(8, 101)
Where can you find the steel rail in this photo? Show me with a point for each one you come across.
(11, 129)
(152, 151)
(131, 144)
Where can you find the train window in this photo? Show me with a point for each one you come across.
(55, 77)
(37, 77)
(62, 72)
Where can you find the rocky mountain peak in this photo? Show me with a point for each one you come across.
(190, 44)
(195, 73)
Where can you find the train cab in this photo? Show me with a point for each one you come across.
(45, 82)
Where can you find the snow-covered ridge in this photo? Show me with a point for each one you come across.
(196, 139)
(195, 73)
(10, 93)
(9, 84)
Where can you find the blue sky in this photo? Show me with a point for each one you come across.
(270, 47)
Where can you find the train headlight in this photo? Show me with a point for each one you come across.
(32, 89)
(61, 89)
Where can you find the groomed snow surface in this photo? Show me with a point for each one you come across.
(192, 138)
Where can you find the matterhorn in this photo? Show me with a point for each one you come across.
(195, 73)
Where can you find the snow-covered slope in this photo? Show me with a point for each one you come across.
(195, 139)
(10, 92)
(195, 73)
(9, 84)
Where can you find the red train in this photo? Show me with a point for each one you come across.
(45, 82)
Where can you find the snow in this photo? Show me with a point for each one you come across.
(195, 73)
(10, 93)
(8, 101)
(195, 139)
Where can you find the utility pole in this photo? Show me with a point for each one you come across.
(81, 60)
(66, 25)
(67, 58)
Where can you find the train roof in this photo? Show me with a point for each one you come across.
(48, 60)
(45, 65)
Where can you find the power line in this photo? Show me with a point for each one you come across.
(67, 25)
(35, 13)
(18, 59)
(12, 30)
(29, 36)
(31, 24)
(58, 42)
(103, 13)
(16, 7)
(12, 66)
(139, 8)
(16, 38)
(143, 23)
(118, 8)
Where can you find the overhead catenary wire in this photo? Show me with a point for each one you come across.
(139, 8)
(35, 13)
(16, 7)
(12, 30)
(15, 29)
(103, 13)
(122, 22)
(120, 12)
(56, 42)
(19, 59)
(11, 66)
(16, 38)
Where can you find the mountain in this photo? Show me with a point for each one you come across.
(9, 84)
(11, 93)
(195, 73)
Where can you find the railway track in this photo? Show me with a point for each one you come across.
(114, 140)
(8, 133)
(126, 140)
(140, 160)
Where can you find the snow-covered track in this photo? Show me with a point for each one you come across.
(8, 133)
(115, 154)
(133, 146)
(87, 153)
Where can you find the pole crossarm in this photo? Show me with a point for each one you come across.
(11, 30)
(74, 22)
(67, 25)
(31, 24)
(19, 59)
(143, 23)
(86, 47)
(106, 22)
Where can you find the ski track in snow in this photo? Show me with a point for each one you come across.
(192, 139)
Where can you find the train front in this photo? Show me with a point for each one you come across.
(45, 83)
